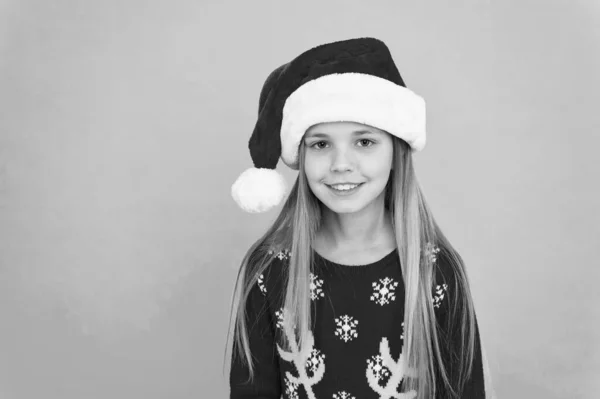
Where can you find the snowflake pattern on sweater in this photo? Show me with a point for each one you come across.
(354, 349)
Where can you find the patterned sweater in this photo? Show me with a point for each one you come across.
(356, 334)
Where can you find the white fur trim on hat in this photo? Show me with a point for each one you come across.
(352, 97)
(258, 189)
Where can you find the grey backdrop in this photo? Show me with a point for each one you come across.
(123, 125)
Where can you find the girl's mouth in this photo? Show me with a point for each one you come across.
(344, 189)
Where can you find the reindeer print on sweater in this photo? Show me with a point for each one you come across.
(354, 346)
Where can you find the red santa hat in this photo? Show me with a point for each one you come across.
(354, 80)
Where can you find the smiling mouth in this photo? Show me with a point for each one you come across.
(344, 187)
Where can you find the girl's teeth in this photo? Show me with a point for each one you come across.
(346, 187)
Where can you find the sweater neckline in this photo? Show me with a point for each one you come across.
(364, 268)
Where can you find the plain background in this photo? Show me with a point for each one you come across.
(123, 125)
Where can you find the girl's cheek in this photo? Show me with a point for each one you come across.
(316, 160)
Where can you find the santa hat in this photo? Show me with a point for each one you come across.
(353, 80)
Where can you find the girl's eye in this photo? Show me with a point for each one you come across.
(364, 143)
(317, 144)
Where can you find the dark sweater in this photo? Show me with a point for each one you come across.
(357, 315)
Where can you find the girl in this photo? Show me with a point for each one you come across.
(354, 292)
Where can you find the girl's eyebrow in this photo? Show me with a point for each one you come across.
(324, 135)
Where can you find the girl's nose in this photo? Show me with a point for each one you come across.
(342, 161)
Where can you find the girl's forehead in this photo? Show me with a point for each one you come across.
(339, 128)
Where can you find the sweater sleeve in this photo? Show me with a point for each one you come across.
(267, 383)
(444, 297)
(475, 387)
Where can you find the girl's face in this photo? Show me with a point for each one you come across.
(349, 153)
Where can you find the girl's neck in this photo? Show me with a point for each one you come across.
(357, 231)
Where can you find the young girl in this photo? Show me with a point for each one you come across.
(354, 292)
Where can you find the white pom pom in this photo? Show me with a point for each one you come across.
(258, 189)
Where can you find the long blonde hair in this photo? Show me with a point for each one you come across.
(414, 226)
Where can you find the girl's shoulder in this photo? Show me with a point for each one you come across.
(270, 280)
(279, 261)
(279, 254)
(443, 275)
(439, 260)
